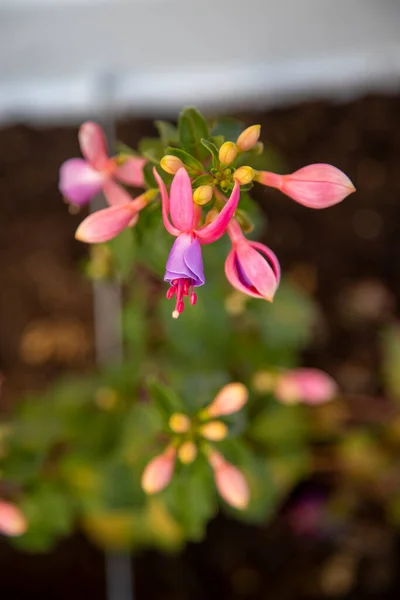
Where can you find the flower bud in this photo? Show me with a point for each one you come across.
(230, 399)
(244, 220)
(229, 481)
(248, 138)
(187, 453)
(227, 153)
(203, 194)
(179, 423)
(244, 175)
(215, 431)
(171, 164)
(310, 386)
(315, 186)
(12, 521)
(159, 471)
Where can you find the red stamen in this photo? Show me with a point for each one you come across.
(181, 287)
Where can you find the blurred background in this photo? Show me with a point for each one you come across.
(322, 78)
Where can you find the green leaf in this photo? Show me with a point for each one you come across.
(152, 149)
(229, 128)
(187, 159)
(203, 180)
(212, 148)
(192, 127)
(165, 399)
(123, 251)
(169, 134)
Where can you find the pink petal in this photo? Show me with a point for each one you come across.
(310, 386)
(103, 225)
(159, 471)
(93, 144)
(79, 182)
(131, 172)
(181, 201)
(12, 521)
(212, 232)
(115, 193)
(165, 205)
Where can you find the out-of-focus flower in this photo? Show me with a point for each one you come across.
(248, 138)
(103, 225)
(315, 186)
(184, 269)
(159, 471)
(214, 431)
(187, 452)
(247, 269)
(82, 178)
(230, 399)
(12, 521)
(309, 386)
(230, 482)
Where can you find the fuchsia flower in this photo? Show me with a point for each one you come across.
(184, 269)
(82, 178)
(309, 386)
(315, 186)
(247, 269)
(12, 521)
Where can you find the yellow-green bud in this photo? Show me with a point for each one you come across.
(171, 163)
(203, 194)
(179, 423)
(244, 175)
(214, 431)
(187, 453)
(248, 138)
(244, 220)
(227, 153)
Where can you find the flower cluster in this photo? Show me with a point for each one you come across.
(199, 204)
(191, 435)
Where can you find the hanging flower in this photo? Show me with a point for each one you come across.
(82, 178)
(251, 267)
(184, 268)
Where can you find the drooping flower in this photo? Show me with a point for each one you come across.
(105, 224)
(230, 482)
(184, 269)
(316, 186)
(309, 386)
(12, 521)
(247, 269)
(82, 178)
(159, 471)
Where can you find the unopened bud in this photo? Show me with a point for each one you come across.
(179, 423)
(203, 194)
(227, 153)
(231, 398)
(263, 381)
(215, 431)
(230, 482)
(187, 453)
(159, 471)
(12, 521)
(248, 138)
(171, 164)
(244, 175)
(309, 386)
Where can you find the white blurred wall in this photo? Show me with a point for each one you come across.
(69, 57)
